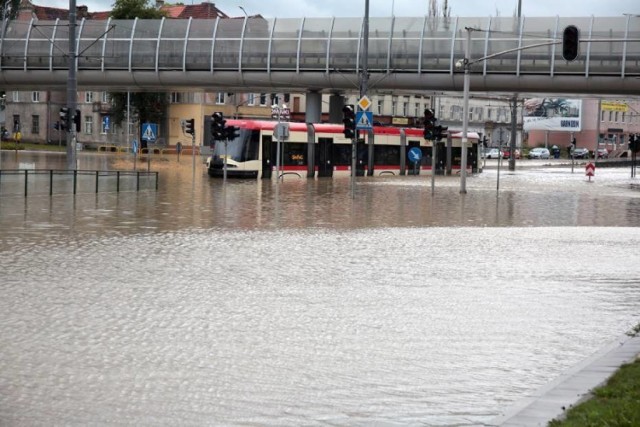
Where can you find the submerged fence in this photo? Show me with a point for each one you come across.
(43, 181)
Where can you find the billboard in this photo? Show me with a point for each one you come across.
(552, 114)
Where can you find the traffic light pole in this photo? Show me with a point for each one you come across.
(193, 153)
(364, 80)
(72, 88)
(465, 117)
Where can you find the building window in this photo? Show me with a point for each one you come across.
(16, 122)
(176, 97)
(610, 115)
(220, 98)
(624, 117)
(88, 97)
(15, 96)
(251, 99)
(35, 125)
(263, 99)
(103, 125)
(417, 110)
(35, 96)
(380, 106)
(405, 109)
(88, 125)
(602, 116)
(105, 97)
(616, 117)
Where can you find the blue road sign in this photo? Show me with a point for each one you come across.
(364, 120)
(414, 154)
(149, 132)
(105, 121)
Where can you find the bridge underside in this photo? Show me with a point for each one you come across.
(234, 81)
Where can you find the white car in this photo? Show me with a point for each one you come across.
(493, 153)
(539, 153)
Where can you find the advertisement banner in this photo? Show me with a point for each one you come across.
(552, 114)
(614, 106)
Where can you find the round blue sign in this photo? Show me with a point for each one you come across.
(414, 154)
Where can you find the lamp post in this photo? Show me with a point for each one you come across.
(465, 118)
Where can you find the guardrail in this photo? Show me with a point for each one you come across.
(113, 180)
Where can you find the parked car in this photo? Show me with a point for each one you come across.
(493, 153)
(507, 153)
(580, 153)
(603, 153)
(539, 153)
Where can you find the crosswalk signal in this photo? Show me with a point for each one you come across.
(189, 126)
(440, 133)
(76, 120)
(634, 143)
(218, 124)
(429, 124)
(64, 118)
(231, 133)
(349, 120)
(570, 43)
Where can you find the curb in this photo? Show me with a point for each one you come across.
(573, 387)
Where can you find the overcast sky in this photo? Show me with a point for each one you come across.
(355, 8)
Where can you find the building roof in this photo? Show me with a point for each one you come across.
(204, 10)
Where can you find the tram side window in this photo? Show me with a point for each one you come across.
(295, 154)
(342, 154)
(386, 155)
(252, 146)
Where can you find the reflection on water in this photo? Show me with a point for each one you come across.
(295, 304)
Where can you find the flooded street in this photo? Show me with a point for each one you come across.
(256, 303)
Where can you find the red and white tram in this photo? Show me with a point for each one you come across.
(321, 150)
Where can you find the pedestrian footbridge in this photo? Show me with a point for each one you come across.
(324, 54)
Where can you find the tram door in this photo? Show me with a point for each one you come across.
(324, 157)
(266, 155)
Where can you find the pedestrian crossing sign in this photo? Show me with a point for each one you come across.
(149, 132)
(364, 120)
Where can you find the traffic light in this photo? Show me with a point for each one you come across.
(349, 120)
(218, 132)
(231, 133)
(485, 141)
(76, 120)
(570, 42)
(189, 126)
(440, 133)
(429, 124)
(64, 118)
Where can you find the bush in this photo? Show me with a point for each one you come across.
(12, 146)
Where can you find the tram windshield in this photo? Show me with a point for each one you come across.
(241, 149)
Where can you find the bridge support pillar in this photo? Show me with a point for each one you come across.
(336, 102)
(313, 107)
(313, 115)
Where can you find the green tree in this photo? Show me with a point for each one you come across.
(9, 8)
(147, 106)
